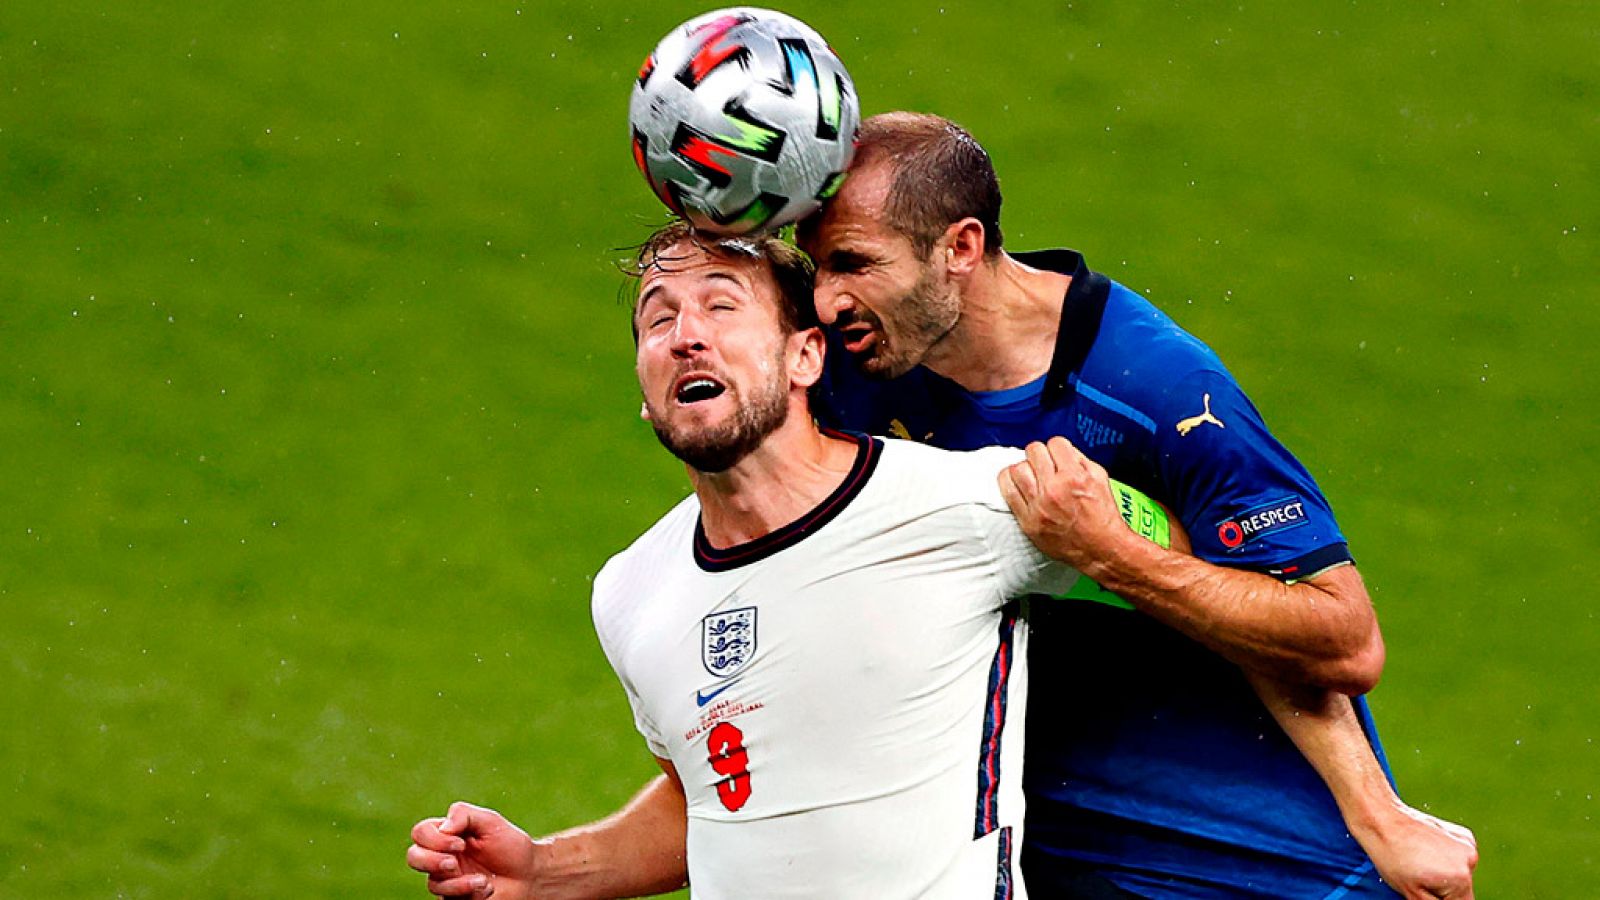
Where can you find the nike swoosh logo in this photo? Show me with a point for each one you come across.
(701, 698)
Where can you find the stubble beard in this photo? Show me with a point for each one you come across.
(720, 447)
(926, 316)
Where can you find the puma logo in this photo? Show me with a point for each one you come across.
(1193, 422)
(898, 429)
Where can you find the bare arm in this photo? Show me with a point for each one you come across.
(1418, 855)
(1321, 631)
(637, 851)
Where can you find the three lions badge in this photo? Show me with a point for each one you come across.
(728, 641)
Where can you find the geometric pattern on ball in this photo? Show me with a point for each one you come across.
(743, 120)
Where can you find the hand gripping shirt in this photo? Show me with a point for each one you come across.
(1150, 760)
(841, 697)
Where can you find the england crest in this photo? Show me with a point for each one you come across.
(728, 641)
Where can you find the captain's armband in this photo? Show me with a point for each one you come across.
(1145, 516)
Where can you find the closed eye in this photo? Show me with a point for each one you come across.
(845, 263)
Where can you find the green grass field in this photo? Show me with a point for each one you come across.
(317, 411)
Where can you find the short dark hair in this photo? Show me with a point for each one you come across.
(941, 176)
(791, 269)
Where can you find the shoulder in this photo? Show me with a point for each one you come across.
(945, 477)
(1147, 367)
(911, 459)
(620, 581)
(1145, 346)
(1175, 385)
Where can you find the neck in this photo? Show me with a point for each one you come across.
(793, 471)
(1007, 332)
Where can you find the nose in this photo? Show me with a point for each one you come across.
(689, 332)
(830, 301)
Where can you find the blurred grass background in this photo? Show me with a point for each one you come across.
(317, 412)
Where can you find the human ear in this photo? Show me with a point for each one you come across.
(807, 349)
(963, 246)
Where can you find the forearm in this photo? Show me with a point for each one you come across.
(1324, 726)
(1417, 855)
(1321, 632)
(637, 851)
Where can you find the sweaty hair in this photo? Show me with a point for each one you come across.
(941, 176)
(791, 269)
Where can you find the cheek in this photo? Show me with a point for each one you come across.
(892, 288)
(767, 360)
(649, 367)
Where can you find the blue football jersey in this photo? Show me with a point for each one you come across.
(1150, 761)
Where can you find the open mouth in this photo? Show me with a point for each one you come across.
(697, 388)
(859, 338)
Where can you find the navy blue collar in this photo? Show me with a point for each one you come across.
(712, 559)
(1081, 312)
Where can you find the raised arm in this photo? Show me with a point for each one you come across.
(1063, 502)
(1321, 631)
(637, 851)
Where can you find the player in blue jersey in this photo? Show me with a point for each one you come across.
(1153, 774)
(645, 841)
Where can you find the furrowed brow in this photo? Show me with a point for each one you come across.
(848, 257)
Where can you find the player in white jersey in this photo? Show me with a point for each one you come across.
(833, 695)
(728, 397)
(819, 645)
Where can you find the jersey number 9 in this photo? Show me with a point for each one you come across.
(729, 759)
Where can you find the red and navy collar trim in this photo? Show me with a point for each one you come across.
(711, 559)
(1081, 312)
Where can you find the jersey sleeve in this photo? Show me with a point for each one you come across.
(609, 607)
(1245, 500)
(1019, 567)
(1022, 568)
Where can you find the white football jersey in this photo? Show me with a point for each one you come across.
(843, 698)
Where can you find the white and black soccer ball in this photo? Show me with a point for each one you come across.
(743, 120)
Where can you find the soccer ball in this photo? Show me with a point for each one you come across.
(743, 120)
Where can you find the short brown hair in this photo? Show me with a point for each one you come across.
(791, 269)
(941, 176)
